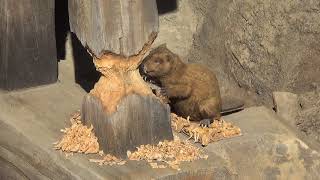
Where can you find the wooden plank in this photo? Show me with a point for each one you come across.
(121, 26)
(27, 44)
(138, 120)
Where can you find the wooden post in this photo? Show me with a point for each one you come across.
(121, 107)
(27, 44)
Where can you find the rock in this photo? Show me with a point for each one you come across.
(287, 106)
(308, 120)
(274, 45)
(267, 149)
(176, 28)
(10, 172)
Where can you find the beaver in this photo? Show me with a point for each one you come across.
(193, 90)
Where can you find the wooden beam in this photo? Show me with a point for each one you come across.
(121, 26)
(27, 44)
(121, 107)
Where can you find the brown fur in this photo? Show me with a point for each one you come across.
(192, 89)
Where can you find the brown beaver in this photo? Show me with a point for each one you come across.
(193, 89)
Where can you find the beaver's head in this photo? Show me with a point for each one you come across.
(159, 62)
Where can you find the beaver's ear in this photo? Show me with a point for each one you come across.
(168, 57)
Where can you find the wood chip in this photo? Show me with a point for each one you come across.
(108, 160)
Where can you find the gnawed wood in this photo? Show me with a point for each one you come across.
(121, 106)
(138, 120)
(120, 77)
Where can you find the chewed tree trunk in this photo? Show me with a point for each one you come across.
(121, 107)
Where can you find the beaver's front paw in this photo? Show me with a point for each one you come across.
(163, 92)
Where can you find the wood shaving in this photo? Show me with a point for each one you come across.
(78, 138)
(108, 160)
(157, 166)
(218, 130)
(172, 153)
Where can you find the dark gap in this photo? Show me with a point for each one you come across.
(61, 27)
(85, 72)
(228, 113)
(166, 6)
(274, 109)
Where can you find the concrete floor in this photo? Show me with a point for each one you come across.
(30, 121)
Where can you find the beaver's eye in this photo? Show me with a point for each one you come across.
(158, 61)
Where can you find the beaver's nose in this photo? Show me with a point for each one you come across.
(145, 69)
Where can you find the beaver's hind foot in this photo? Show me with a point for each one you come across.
(205, 122)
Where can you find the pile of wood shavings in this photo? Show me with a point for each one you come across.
(81, 139)
(108, 160)
(172, 153)
(218, 130)
(78, 138)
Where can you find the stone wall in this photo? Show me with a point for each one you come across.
(274, 45)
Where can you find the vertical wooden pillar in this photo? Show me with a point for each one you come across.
(121, 107)
(27, 43)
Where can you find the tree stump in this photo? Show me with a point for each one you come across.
(121, 107)
(138, 120)
(27, 44)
